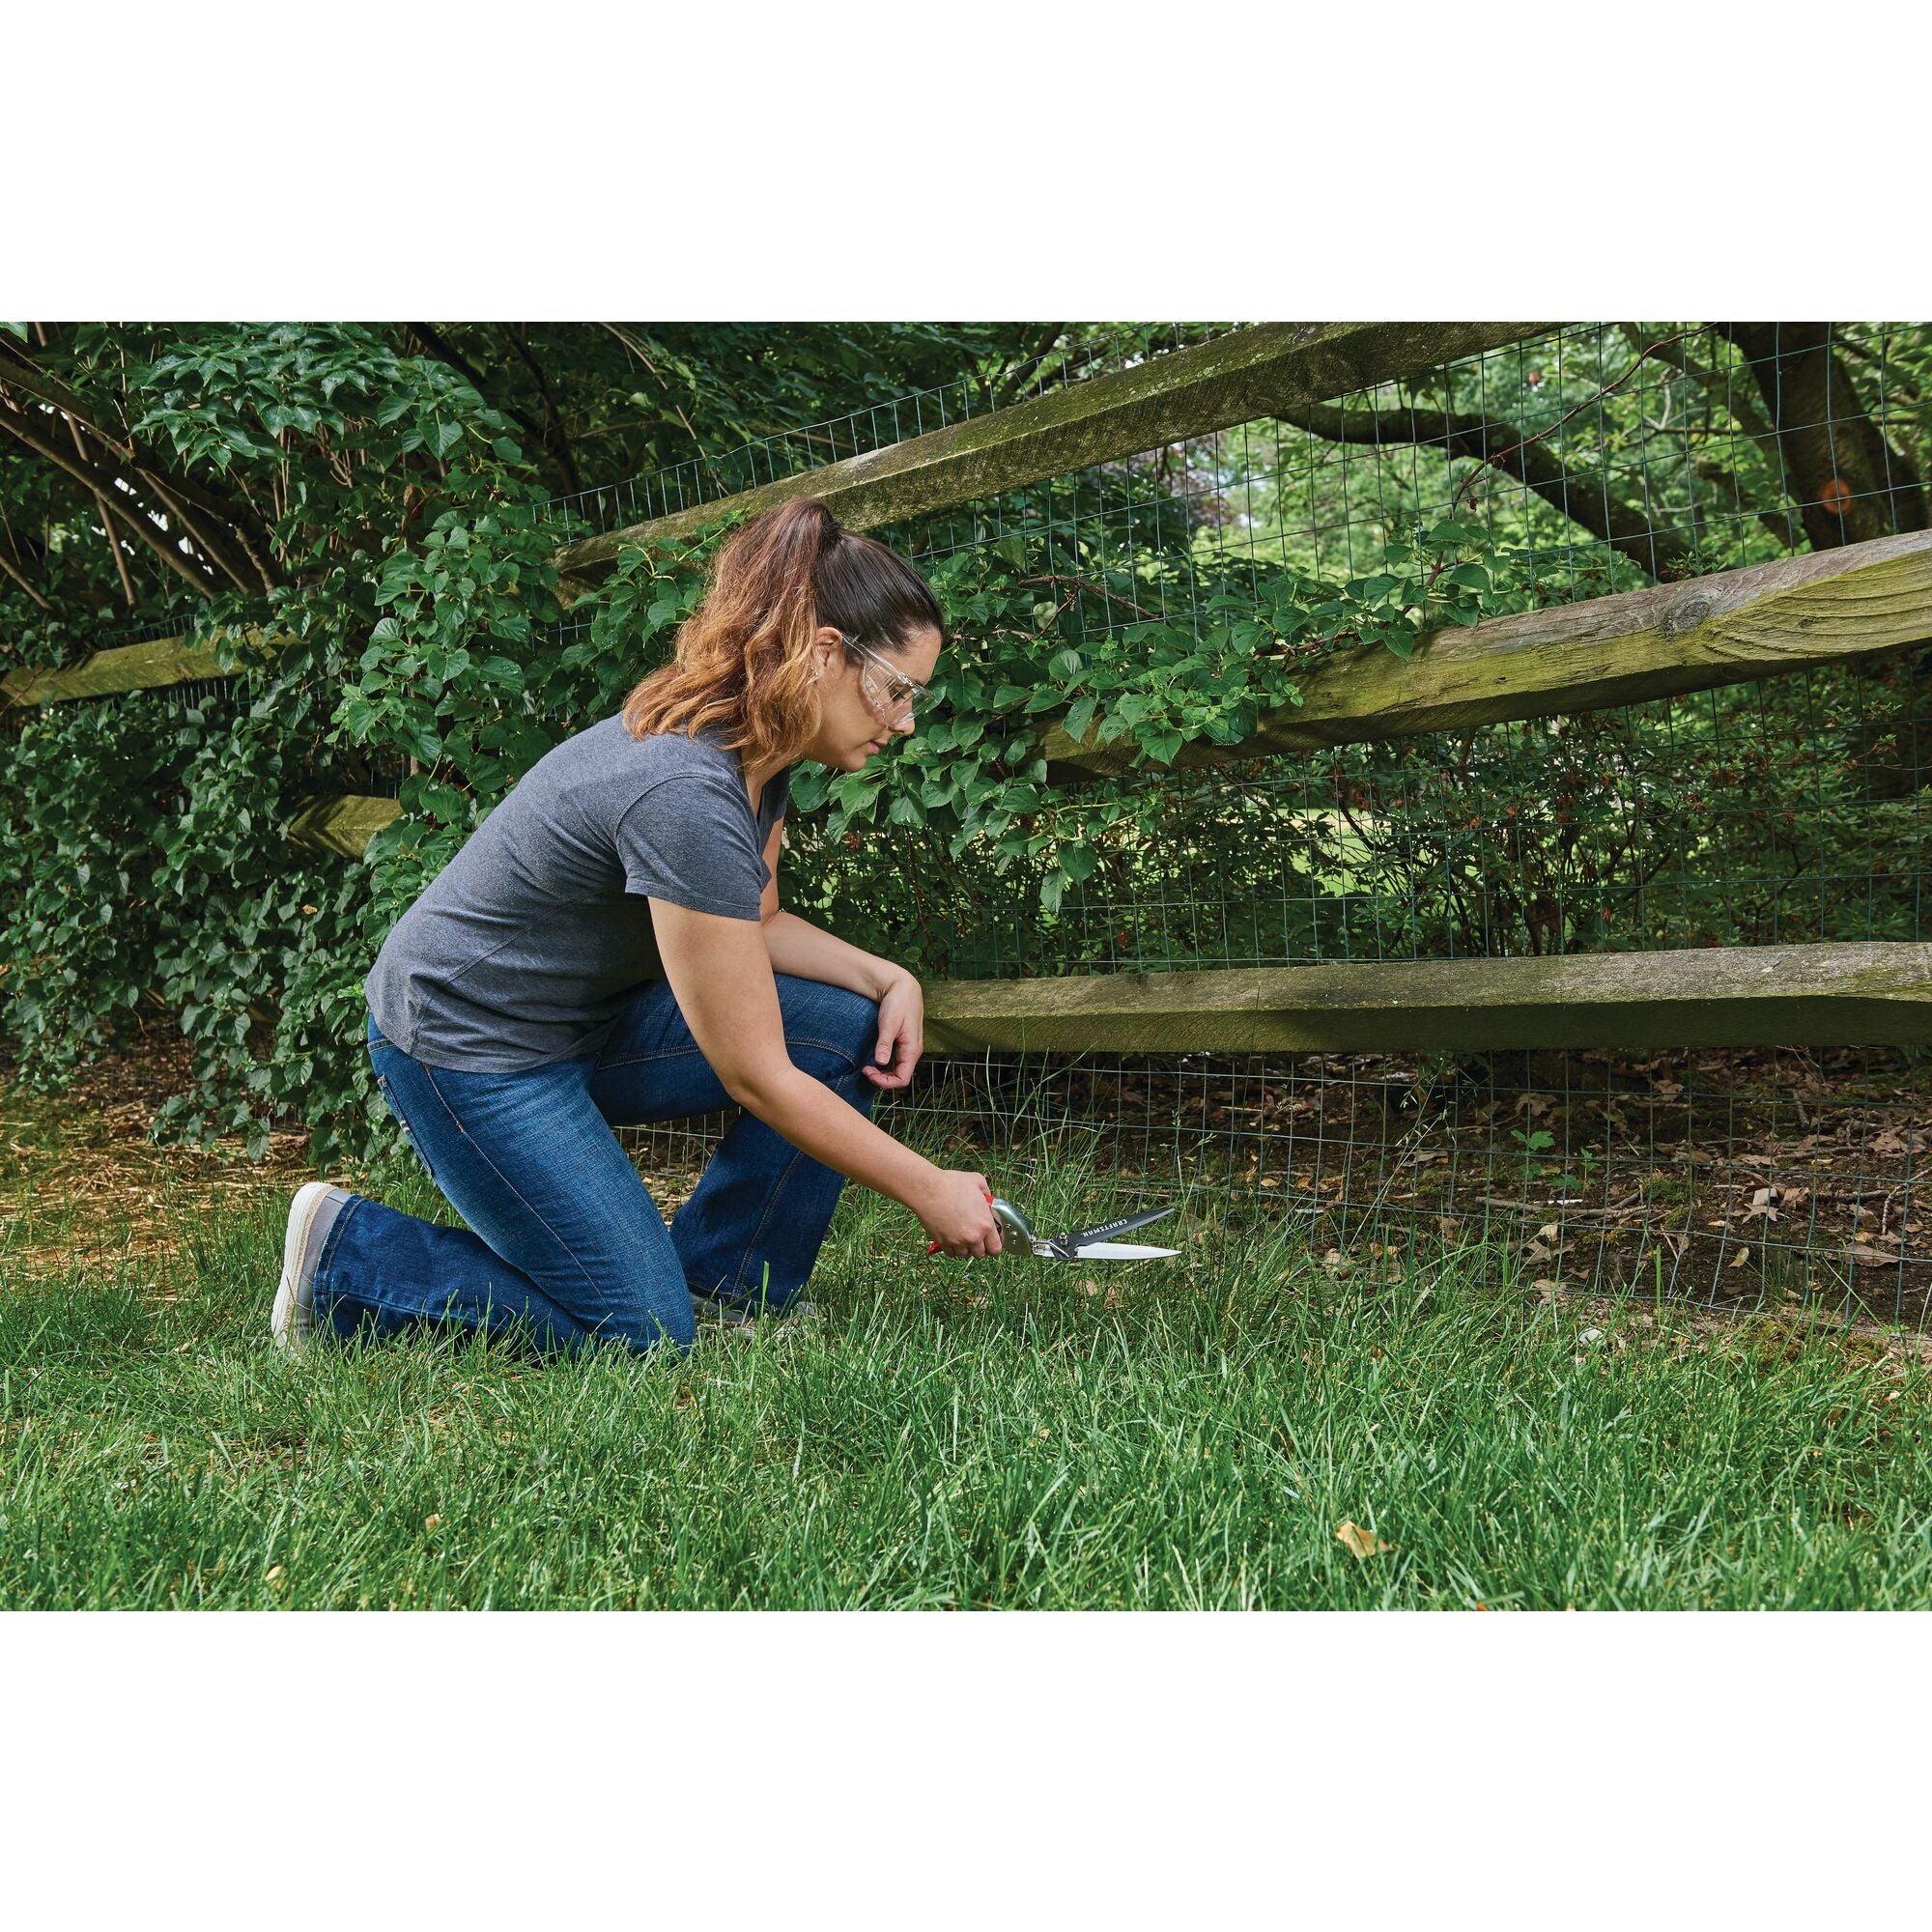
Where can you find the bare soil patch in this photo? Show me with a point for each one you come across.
(82, 1184)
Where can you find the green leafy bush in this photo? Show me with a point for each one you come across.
(390, 612)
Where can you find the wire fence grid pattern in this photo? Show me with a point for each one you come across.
(708, 478)
(1762, 1183)
(1600, 457)
(1782, 810)
(1789, 809)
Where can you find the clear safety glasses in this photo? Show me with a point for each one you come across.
(892, 694)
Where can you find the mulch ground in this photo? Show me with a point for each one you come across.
(81, 1182)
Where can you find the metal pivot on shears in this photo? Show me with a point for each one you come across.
(1086, 1245)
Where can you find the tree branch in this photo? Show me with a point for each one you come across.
(1736, 403)
(108, 534)
(636, 348)
(446, 351)
(1849, 482)
(554, 440)
(21, 580)
(108, 529)
(21, 372)
(1097, 591)
(212, 546)
(98, 483)
(1017, 380)
(1587, 503)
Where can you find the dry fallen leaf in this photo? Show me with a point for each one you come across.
(431, 1522)
(1359, 1542)
(1739, 1259)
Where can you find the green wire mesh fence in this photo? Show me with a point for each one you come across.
(1596, 458)
(706, 478)
(1601, 458)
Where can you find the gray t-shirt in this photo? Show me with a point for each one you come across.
(533, 939)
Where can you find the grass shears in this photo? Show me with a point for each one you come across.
(1085, 1244)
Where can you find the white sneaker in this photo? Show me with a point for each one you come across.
(713, 1311)
(311, 1215)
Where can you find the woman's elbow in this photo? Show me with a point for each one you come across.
(756, 1088)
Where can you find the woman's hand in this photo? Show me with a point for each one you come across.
(902, 1032)
(957, 1211)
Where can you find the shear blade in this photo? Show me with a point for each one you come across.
(1119, 1251)
(1125, 1225)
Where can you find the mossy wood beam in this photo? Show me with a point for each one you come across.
(144, 667)
(1792, 615)
(1874, 993)
(1239, 378)
(344, 825)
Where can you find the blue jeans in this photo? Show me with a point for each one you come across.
(564, 1241)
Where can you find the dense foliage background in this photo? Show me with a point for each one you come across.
(383, 503)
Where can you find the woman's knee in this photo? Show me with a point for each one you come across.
(657, 1325)
(858, 1022)
(615, 1275)
(832, 1016)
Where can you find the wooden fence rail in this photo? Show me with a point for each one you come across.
(1863, 994)
(1796, 613)
(1791, 615)
(344, 824)
(143, 666)
(1239, 378)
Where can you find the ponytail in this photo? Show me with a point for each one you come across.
(744, 656)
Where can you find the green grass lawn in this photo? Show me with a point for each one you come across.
(1176, 1436)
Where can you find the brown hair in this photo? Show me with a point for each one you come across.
(744, 656)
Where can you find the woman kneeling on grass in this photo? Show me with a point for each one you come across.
(607, 949)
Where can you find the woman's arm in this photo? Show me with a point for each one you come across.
(807, 952)
(721, 977)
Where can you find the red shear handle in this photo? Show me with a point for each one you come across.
(932, 1247)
